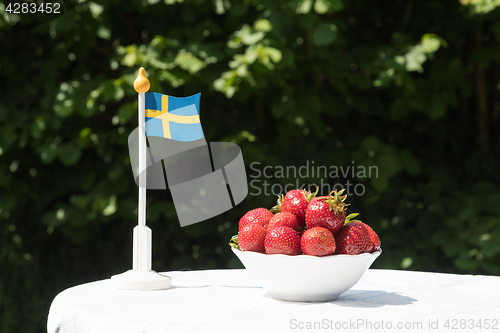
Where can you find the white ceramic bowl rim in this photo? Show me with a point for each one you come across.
(376, 253)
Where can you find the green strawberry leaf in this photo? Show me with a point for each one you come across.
(310, 195)
(234, 242)
(350, 216)
(277, 208)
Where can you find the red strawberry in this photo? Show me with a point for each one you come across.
(282, 240)
(327, 212)
(353, 238)
(295, 202)
(318, 242)
(259, 215)
(283, 219)
(252, 237)
(374, 237)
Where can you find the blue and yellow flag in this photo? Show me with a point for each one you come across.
(173, 117)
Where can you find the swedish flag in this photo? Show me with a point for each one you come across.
(173, 117)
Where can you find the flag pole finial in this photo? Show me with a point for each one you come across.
(141, 83)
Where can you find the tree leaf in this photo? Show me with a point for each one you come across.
(325, 34)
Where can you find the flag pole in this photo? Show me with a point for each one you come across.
(142, 244)
(141, 277)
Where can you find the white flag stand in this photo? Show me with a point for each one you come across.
(141, 277)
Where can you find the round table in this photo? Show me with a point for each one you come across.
(232, 301)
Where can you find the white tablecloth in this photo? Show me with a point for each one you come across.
(231, 301)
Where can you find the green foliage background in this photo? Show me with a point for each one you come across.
(409, 86)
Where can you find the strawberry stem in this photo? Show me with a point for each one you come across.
(336, 201)
(310, 195)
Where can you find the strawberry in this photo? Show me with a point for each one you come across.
(282, 240)
(295, 202)
(353, 238)
(318, 242)
(283, 219)
(252, 237)
(259, 215)
(328, 212)
(374, 237)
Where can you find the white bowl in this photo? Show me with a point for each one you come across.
(306, 278)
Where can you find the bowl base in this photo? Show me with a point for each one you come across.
(305, 298)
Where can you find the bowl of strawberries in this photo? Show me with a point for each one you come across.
(306, 248)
